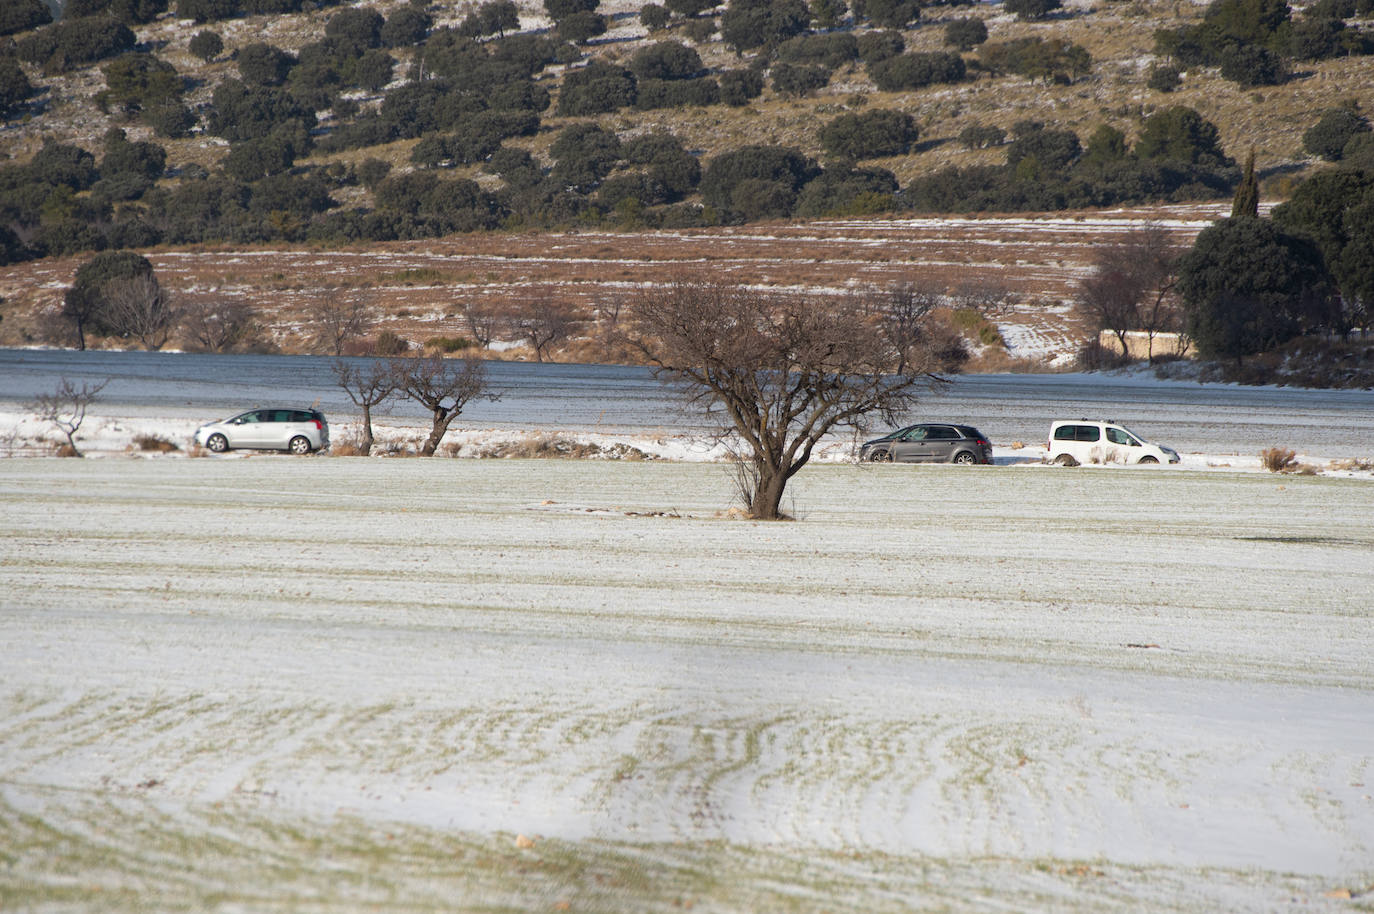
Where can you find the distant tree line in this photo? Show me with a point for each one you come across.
(1178, 156)
(1255, 42)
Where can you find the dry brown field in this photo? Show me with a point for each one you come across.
(418, 289)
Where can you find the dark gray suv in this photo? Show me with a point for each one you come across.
(930, 442)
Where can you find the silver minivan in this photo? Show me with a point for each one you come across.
(278, 428)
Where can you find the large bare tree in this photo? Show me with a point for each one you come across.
(368, 384)
(443, 386)
(1131, 286)
(784, 372)
(137, 307)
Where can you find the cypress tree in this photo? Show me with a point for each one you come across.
(1246, 201)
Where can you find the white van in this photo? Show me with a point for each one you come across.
(1075, 441)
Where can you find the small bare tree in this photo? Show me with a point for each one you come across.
(988, 297)
(219, 327)
(545, 323)
(903, 315)
(443, 386)
(1131, 286)
(340, 316)
(485, 321)
(66, 408)
(137, 307)
(367, 384)
(782, 372)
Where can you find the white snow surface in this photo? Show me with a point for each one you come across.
(260, 682)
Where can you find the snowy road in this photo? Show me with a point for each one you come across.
(274, 684)
(1191, 417)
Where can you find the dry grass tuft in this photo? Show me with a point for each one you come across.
(1279, 459)
(154, 443)
(66, 450)
(543, 447)
(1353, 464)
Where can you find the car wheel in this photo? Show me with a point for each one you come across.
(1148, 459)
(880, 456)
(965, 458)
(1066, 460)
(299, 445)
(217, 443)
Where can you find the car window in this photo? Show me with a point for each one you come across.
(942, 433)
(916, 433)
(1077, 433)
(248, 417)
(301, 416)
(1117, 436)
(281, 415)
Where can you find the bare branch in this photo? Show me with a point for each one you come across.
(66, 408)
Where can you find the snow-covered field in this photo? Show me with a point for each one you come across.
(277, 684)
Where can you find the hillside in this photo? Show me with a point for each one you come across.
(1119, 36)
(315, 176)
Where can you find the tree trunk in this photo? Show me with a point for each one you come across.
(366, 445)
(767, 498)
(1121, 337)
(442, 417)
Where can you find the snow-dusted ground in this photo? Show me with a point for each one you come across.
(102, 435)
(331, 684)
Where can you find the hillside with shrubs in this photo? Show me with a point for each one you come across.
(133, 124)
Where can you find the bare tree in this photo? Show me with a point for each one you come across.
(544, 323)
(1161, 310)
(340, 316)
(485, 321)
(782, 372)
(138, 307)
(903, 315)
(1131, 286)
(219, 327)
(988, 297)
(443, 386)
(66, 408)
(367, 385)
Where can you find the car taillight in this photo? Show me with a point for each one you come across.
(983, 442)
(319, 427)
